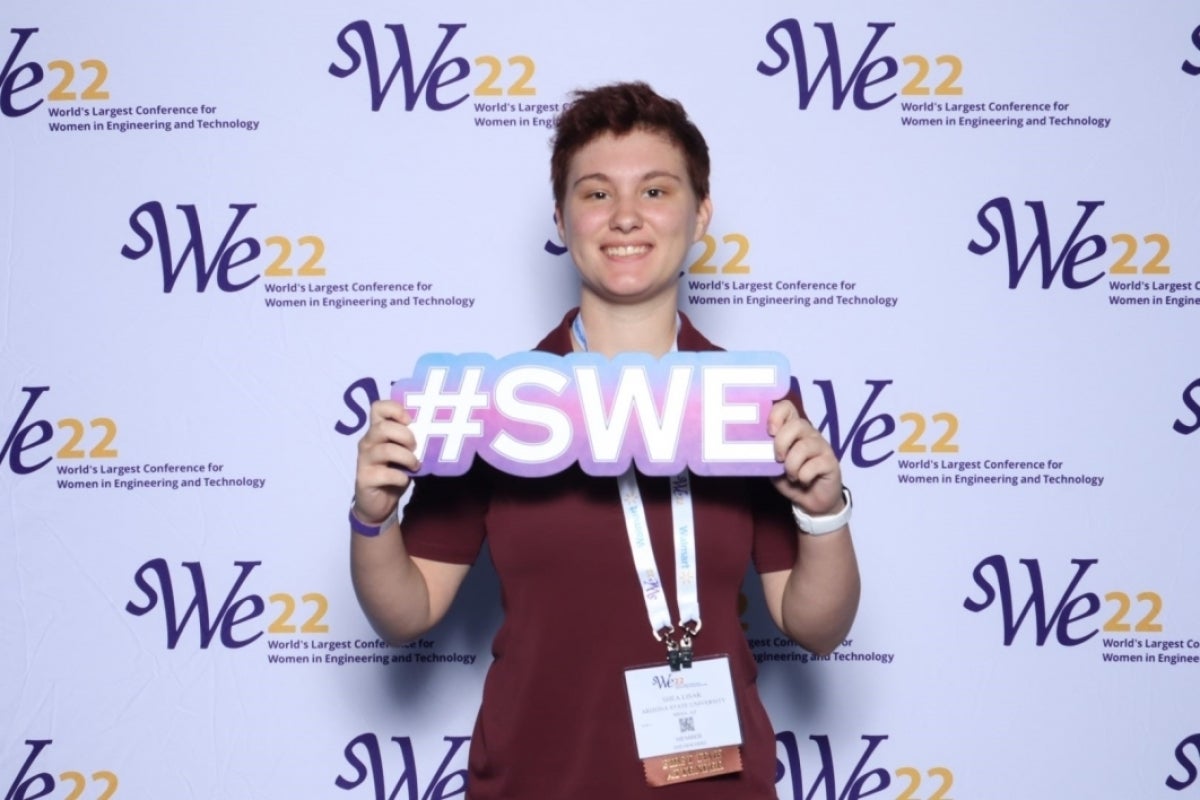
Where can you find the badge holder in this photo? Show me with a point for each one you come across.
(685, 720)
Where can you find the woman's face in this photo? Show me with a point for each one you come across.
(630, 215)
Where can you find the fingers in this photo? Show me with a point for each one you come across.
(386, 459)
(812, 476)
(389, 424)
(786, 426)
(384, 433)
(780, 415)
(806, 455)
(389, 410)
(389, 456)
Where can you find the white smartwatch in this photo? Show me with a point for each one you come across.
(818, 526)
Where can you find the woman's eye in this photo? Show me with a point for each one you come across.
(655, 192)
(598, 194)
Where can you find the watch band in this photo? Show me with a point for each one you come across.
(819, 526)
(358, 526)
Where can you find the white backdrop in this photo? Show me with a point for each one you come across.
(1033, 636)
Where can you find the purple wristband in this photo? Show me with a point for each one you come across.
(358, 526)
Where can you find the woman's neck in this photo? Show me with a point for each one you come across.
(642, 328)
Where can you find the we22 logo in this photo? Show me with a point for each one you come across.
(1072, 620)
(237, 610)
(999, 222)
(27, 433)
(863, 781)
(786, 40)
(1191, 399)
(27, 786)
(149, 224)
(365, 757)
(11, 83)
(1189, 67)
(868, 428)
(435, 86)
(1189, 764)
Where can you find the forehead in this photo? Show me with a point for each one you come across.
(631, 154)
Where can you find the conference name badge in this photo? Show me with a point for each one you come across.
(685, 721)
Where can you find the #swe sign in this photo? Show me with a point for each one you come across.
(534, 414)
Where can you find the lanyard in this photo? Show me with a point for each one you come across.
(679, 652)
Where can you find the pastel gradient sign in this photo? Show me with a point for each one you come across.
(534, 414)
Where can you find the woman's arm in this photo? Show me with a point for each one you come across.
(402, 596)
(815, 601)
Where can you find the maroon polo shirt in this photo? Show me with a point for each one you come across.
(555, 719)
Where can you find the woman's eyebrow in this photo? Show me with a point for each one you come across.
(651, 175)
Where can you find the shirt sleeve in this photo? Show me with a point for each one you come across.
(445, 519)
(775, 532)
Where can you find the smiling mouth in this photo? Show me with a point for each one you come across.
(627, 250)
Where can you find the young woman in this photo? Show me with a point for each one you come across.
(630, 178)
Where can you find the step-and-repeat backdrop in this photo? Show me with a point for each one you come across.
(226, 228)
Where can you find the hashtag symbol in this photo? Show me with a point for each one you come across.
(428, 406)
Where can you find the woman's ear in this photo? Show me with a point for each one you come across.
(703, 217)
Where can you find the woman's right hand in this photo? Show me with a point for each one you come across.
(385, 462)
(402, 596)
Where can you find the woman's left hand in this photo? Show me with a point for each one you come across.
(812, 476)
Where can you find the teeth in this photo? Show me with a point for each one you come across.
(626, 250)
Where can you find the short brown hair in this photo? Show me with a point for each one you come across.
(619, 108)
